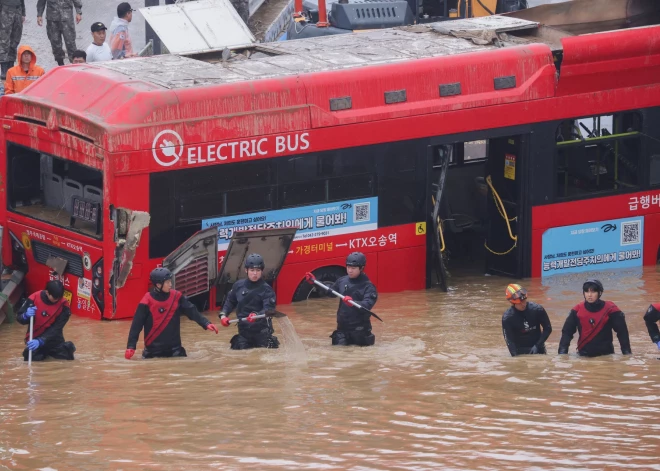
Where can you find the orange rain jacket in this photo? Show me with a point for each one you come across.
(17, 79)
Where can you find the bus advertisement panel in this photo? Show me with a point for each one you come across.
(315, 221)
(598, 245)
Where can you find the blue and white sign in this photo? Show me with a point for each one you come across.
(600, 245)
(319, 220)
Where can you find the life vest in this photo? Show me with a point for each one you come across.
(592, 322)
(46, 314)
(161, 313)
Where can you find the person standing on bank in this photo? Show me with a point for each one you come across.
(525, 324)
(25, 73)
(595, 320)
(51, 313)
(12, 17)
(353, 324)
(59, 23)
(79, 57)
(121, 45)
(159, 315)
(247, 296)
(99, 50)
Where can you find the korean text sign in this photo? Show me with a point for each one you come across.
(600, 245)
(319, 220)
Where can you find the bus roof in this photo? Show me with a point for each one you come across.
(292, 86)
(327, 53)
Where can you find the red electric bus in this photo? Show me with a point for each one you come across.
(491, 144)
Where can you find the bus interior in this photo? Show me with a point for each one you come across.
(54, 190)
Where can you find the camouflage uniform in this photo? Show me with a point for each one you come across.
(59, 23)
(12, 13)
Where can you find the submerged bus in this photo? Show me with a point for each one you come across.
(492, 145)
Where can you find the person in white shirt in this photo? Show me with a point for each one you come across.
(98, 51)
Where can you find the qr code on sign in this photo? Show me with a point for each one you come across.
(630, 232)
(361, 212)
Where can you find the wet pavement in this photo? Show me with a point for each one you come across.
(438, 391)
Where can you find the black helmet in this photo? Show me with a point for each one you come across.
(594, 284)
(55, 288)
(255, 261)
(356, 259)
(160, 275)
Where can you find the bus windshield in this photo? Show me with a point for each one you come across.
(54, 190)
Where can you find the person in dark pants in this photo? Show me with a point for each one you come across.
(59, 24)
(651, 318)
(51, 313)
(595, 320)
(525, 324)
(159, 315)
(247, 296)
(12, 16)
(353, 324)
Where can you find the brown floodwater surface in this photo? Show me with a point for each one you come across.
(437, 391)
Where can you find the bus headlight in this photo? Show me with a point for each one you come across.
(18, 257)
(97, 285)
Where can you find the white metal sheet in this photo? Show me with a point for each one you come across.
(490, 23)
(198, 26)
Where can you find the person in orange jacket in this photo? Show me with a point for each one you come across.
(25, 73)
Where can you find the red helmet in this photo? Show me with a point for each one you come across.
(515, 293)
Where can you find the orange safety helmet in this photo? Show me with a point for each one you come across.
(515, 293)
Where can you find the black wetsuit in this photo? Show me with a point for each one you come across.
(246, 297)
(524, 329)
(353, 324)
(54, 344)
(651, 319)
(601, 343)
(168, 342)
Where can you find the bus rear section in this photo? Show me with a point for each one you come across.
(54, 219)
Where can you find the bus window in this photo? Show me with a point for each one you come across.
(54, 190)
(475, 150)
(346, 188)
(598, 154)
(249, 200)
(300, 194)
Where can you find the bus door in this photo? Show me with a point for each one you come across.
(439, 260)
(194, 266)
(503, 178)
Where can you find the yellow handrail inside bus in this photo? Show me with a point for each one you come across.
(439, 221)
(594, 140)
(502, 210)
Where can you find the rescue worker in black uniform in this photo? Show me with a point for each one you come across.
(159, 314)
(247, 296)
(353, 324)
(525, 324)
(51, 313)
(595, 320)
(651, 318)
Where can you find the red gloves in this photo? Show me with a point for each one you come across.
(310, 278)
(212, 327)
(347, 300)
(252, 317)
(224, 321)
(129, 353)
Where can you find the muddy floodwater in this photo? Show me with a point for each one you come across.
(438, 391)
